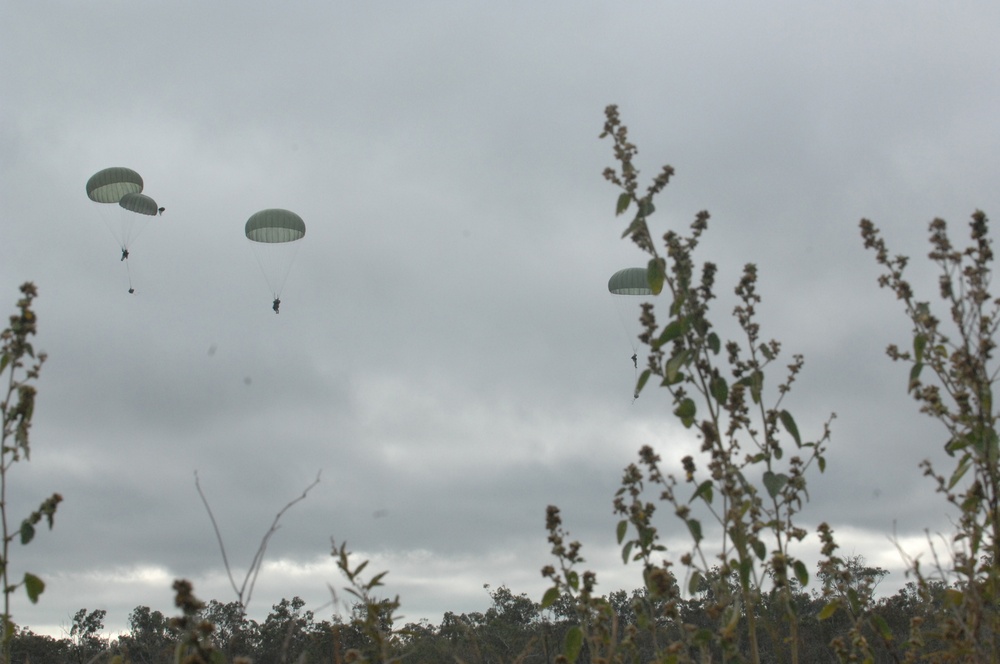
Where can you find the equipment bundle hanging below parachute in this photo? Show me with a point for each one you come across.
(122, 186)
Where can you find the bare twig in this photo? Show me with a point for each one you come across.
(243, 592)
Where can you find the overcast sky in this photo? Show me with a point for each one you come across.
(447, 354)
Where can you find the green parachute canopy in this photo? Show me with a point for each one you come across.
(275, 226)
(139, 203)
(630, 281)
(109, 185)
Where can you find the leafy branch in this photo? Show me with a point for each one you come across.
(18, 359)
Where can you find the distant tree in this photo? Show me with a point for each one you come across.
(235, 634)
(509, 608)
(512, 626)
(285, 632)
(26, 646)
(149, 640)
(85, 634)
(853, 578)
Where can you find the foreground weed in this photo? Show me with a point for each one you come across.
(22, 365)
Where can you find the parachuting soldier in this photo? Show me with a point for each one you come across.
(267, 230)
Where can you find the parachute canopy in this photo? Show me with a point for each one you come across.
(140, 203)
(630, 281)
(275, 226)
(109, 185)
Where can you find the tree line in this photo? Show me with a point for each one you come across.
(513, 628)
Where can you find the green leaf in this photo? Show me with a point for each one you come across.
(854, 600)
(573, 643)
(963, 466)
(801, 573)
(759, 549)
(646, 207)
(789, 423)
(714, 344)
(623, 202)
(821, 462)
(745, 568)
(883, 627)
(914, 376)
(656, 273)
(643, 377)
(34, 586)
(678, 377)
(4, 361)
(694, 583)
(675, 363)
(622, 530)
(755, 383)
(360, 567)
(695, 527)
(27, 532)
(677, 304)
(637, 225)
(919, 343)
(626, 552)
(674, 329)
(828, 610)
(719, 389)
(377, 580)
(774, 482)
(957, 443)
(704, 491)
(992, 446)
(550, 597)
(573, 580)
(953, 597)
(685, 411)
(766, 352)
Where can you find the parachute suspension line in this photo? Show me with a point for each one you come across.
(275, 262)
(128, 272)
(626, 313)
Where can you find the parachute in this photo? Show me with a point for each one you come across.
(626, 285)
(139, 203)
(109, 185)
(630, 281)
(274, 235)
(122, 186)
